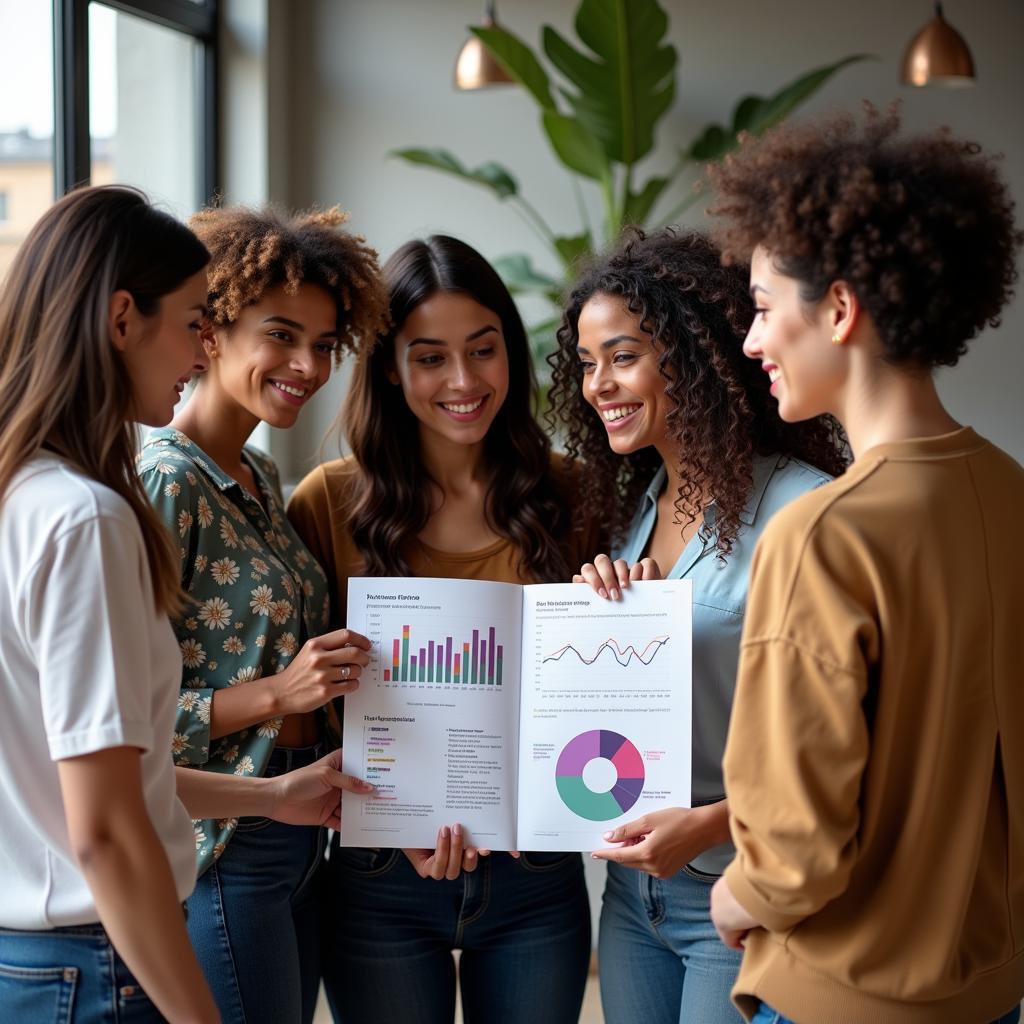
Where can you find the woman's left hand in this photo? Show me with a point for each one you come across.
(662, 842)
(449, 858)
(730, 919)
(610, 578)
(312, 795)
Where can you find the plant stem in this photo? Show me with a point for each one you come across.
(536, 221)
(679, 209)
(588, 227)
(611, 216)
(627, 188)
(677, 169)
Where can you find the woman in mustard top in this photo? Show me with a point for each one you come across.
(874, 769)
(450, 477)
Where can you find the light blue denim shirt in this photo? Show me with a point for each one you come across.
(719, 601)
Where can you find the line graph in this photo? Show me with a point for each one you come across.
(623, 655)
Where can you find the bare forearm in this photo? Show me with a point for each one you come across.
(238, 707)
(133, 887)
(715, 823)
(212, 795)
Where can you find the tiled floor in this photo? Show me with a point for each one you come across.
(591, 1007)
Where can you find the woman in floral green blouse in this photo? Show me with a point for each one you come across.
(286, 297)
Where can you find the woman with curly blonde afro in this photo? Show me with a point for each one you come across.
(873, 768)
(288, 295)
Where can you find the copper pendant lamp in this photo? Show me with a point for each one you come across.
(938, 55)
(475, 67)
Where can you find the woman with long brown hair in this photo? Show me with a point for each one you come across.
(687, 459)
(450, 476)
(99, 330)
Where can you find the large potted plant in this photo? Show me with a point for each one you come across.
(600, 117)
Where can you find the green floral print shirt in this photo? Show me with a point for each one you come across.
(258, 595)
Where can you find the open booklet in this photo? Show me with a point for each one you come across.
(537, 717)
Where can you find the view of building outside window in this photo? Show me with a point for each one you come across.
(143, 121)
(26, 120)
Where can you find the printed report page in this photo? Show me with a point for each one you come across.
(604, 734)
(434, 722)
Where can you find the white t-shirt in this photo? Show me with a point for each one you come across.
(86, 664)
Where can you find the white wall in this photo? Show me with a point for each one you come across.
(369, 77)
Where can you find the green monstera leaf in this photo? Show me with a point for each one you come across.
(601, 94)
(756, 114)
(623, 90)
(490, 174)
(639, 204)
(573, 248)
(576, 147)
(518, 60)
(521, 277)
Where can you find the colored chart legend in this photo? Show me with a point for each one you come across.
(628, 774)
(476, 662)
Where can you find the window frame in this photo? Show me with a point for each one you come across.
(71, 139)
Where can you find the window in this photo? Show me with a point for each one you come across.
(145, 89)
(108, 90)
(26, 121)
(136, 96)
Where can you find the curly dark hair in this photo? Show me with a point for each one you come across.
(255, 249)
(921, 228)
(524, 503)
(697, 312)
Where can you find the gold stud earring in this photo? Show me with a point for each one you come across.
(837, 339)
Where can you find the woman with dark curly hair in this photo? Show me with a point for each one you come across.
(688, 459)
(874, 767)
(450, 476)
(287, 295)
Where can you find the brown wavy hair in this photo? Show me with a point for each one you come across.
(255, 249)
(63, 386)
(393, 507)
(697, 313)
(922, 228)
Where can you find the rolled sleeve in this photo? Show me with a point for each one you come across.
(797, 749)
(92, 639)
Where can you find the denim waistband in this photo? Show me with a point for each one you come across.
(95, 930)
(286, 759)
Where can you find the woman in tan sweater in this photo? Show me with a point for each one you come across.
(874, 767)
(450, 476)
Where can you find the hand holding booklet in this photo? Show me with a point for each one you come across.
(536, 716)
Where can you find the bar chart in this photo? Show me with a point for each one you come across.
(477, 661)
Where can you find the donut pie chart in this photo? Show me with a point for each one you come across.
(578, 796)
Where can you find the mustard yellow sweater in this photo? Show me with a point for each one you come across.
(875, 762)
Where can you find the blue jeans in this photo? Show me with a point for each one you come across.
(523, 928)
(68, 976)
(766, 1015)
(254, 918)
(660, 957)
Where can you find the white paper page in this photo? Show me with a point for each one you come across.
(604, 733)
(438, 740)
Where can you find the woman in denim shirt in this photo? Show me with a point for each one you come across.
(286, 296)
(688, 459)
